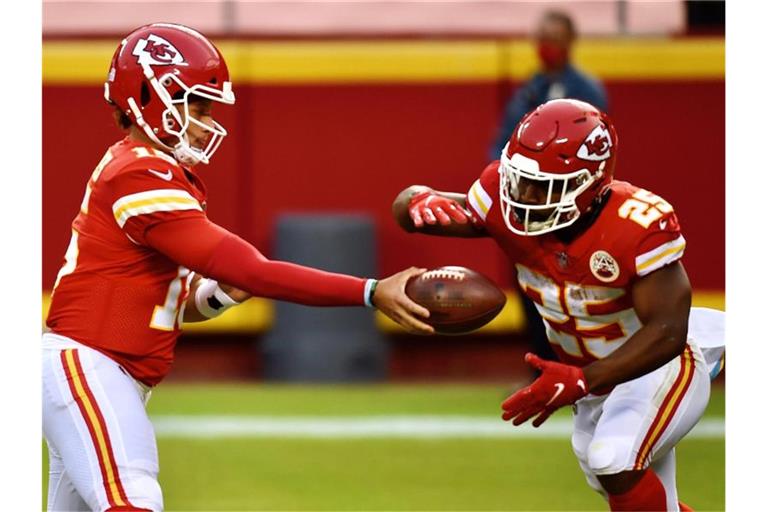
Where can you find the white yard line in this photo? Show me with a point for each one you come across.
(416, 427)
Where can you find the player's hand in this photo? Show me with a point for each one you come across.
(558, 385)
(431, 208)
(390, 299)
(235, 294)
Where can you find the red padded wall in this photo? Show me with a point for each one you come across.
(323, 148)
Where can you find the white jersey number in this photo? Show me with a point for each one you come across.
(167, 315)
(570, 304)
(644, 208)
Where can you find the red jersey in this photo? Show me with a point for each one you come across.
(114, 293)
(583, 289)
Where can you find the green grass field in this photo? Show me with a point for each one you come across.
(381, 473)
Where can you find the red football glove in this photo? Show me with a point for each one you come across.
(558, 385)
(432, 208)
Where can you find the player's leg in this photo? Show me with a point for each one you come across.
(62, 494)
(642, 421)
(665, 468)
(586, 415)
(658, 482)
(109, 453)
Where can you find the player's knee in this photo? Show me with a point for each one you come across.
(608, 455)
(143, 490)
(580, 444)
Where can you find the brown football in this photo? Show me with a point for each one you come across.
(459, 300)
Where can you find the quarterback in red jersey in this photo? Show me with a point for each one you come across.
(140, 245)
(601, 260)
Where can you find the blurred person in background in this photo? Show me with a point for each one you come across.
(132, 273)
(558, 78)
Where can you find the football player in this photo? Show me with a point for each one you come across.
(139, 238)
(601, 260)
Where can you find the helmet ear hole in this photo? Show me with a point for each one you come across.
(145, 97)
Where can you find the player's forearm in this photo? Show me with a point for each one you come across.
(212, 251)
(652, 346)
(403, 218)
(237, 262)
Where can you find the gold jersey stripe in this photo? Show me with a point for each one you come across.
(668, 254)
(153, 205)
(479, 200)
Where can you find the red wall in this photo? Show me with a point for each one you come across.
(316, 148)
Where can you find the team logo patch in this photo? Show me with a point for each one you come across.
(156, 51)
(604, 266)
(597, 146)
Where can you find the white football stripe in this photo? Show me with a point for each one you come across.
(415, 427)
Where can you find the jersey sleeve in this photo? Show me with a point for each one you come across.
(142, 198)
(481, 195)
(663, 243)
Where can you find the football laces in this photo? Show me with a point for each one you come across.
(444, 274)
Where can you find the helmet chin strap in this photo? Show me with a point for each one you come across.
(188, 155)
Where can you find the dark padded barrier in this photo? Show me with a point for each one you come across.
(325, 344)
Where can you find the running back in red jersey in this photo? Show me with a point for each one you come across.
(582, 289)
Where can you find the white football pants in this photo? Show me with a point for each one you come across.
(101, 444)
(638, 423)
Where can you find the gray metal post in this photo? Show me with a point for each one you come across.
(325, 344)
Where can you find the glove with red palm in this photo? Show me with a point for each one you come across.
(431, 208)
(558, 385)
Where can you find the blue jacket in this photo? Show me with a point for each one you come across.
(571, 83)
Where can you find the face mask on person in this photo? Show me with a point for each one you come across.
(552, 56)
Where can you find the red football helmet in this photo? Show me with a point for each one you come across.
(157, 68)
(558, 161)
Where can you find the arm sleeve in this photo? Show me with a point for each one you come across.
(212, 251)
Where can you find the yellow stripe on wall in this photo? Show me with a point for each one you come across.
(653, 58)
(257, 315)
(367, 61)
(87, 62)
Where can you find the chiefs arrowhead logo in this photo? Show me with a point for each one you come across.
(156, 51)
(604, 266)
(597, 146)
